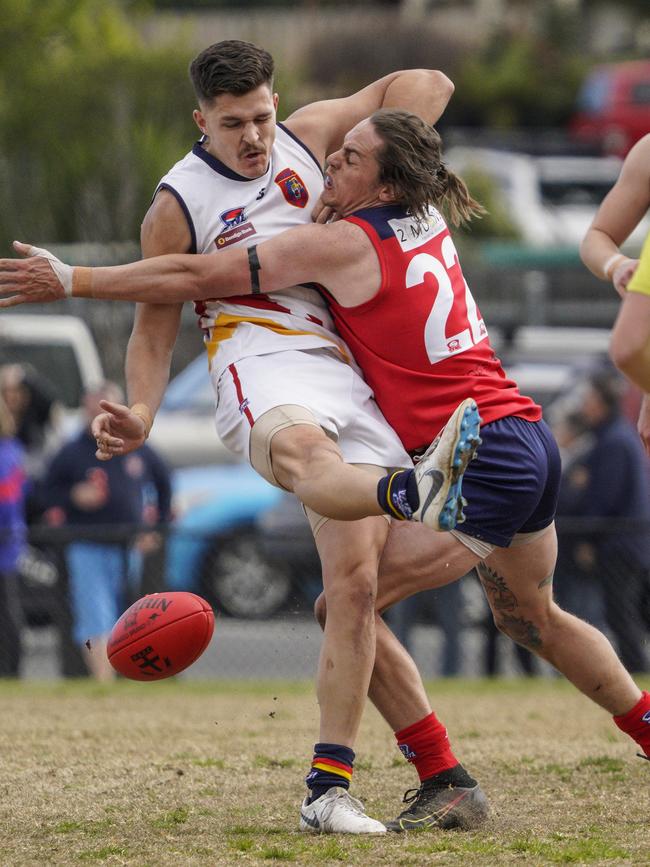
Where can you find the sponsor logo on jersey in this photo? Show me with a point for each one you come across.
(646, 717)
(233, 217)
(243, 406)
(293, 188)
(234, 234)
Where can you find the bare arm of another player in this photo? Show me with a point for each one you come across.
(630, 343)
(322, 125)
(619, 214)
(150, 348)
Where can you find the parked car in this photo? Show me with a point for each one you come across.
(240, 542)
(60, 349)
(551, 200)
(613, 107)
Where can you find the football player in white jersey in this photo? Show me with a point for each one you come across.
(287, 389)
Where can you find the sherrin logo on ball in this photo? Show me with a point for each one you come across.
(160, 635)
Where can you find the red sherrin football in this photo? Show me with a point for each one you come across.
(160, 635)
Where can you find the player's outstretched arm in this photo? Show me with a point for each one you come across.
(331, 255)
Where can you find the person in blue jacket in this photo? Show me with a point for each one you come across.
(102, 507)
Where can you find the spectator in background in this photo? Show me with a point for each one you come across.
(107, 508)
(35, 413)
(12, 542)
(609, 560)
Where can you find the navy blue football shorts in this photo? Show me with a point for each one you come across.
(512, 485)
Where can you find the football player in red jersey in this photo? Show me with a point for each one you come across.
(398, 296)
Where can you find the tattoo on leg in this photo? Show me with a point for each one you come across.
(545, 581)
(522, 631)
(500, 597)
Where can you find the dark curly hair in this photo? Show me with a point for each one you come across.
(410, 161)
(231, 66)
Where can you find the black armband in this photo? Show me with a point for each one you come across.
(254, 266)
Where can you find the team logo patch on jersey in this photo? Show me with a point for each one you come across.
(293, 188)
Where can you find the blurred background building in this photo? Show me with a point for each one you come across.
(95, 105)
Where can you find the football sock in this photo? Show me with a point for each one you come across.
(425, 744)
(397, 494)
(331, 766)
(636, 722)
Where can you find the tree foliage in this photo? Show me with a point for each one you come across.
(90, 118)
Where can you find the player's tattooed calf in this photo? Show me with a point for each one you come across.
(499, 595)
(545, 582)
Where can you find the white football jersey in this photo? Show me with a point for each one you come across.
(224, 209)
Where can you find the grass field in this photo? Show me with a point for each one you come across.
(187, 773)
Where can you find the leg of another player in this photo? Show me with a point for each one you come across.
(307, 462)
(349, 553)
(448, 797)
(518, 584)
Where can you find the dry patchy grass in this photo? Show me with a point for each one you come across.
(182, 773)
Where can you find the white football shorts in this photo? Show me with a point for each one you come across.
(321, 382)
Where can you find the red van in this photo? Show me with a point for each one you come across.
(613, 107)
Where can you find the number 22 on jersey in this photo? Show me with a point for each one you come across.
(449, 311)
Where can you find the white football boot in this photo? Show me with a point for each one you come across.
(337, 812)
(439, 472)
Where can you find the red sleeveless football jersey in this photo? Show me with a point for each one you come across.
(421, 341)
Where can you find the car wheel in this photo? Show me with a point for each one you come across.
(241, 581)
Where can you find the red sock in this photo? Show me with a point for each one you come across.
(425, 744)
(636, 722)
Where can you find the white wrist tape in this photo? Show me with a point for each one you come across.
(611, 263)
(62, 271)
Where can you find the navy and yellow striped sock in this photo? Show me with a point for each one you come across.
(331, 766)
(397, 494)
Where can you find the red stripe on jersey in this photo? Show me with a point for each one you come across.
(259, 302)
(243, 401)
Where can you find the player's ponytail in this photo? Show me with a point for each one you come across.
(457, 202)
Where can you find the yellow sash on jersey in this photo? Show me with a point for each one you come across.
(225, 324)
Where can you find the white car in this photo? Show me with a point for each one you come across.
(550, 200)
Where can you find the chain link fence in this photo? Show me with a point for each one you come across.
(601, 576)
